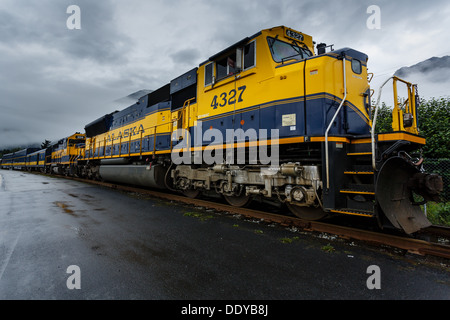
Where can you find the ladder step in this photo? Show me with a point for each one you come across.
(358, 172)
(359, 154)
(357, 191)
(354, 212)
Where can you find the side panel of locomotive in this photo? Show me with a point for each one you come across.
(7, 161)
(32, 161)
(122, 146)
(17, 160)
(324, 81)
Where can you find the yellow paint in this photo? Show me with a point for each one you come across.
(358, 172)
(357, 192)
(359, 153)
(352, 213)
(400, 136)
(151, 125)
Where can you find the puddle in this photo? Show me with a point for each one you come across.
(77, 230)
(64, 206)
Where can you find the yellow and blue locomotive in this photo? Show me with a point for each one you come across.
(266, 118)
(61, 157)
(211, 130)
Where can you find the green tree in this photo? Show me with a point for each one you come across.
(434, 125)
(6, 151)
(384, 119)
(45, 144)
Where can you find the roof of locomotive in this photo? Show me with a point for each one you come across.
(279, 30)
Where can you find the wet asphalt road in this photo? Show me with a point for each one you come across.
(130, 246)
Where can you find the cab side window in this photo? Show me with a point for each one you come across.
(241, 59)
(356, 66)
(249, 55)
(226, 66)
(209, 72)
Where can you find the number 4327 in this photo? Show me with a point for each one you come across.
(227, 99)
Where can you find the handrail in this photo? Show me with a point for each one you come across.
(331, 123)
(185, 107)
(374, 121)
(185, 117)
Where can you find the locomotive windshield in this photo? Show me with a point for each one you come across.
(74, 142)
(282, 51)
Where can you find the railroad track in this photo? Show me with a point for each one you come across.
(412, 245)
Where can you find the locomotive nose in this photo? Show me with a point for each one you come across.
(395, 184)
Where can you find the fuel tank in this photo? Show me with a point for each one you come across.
(140, 175)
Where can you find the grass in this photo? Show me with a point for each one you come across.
(438, 213)
(198, 215)
(289, 240)
(328, 248)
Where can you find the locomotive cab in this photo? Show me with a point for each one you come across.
(64, 154)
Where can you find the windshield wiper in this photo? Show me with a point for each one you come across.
(291, 57)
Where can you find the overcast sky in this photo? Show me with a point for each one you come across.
(55, 80)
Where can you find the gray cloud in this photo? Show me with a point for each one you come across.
(44, 23)
(54, 80)
(189, 56)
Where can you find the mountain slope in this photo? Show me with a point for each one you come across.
(432, 76)
(433, 64)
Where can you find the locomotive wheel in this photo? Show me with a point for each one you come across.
(307, 213)
(238, 201)
(191, 193)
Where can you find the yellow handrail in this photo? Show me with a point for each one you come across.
(405, 120)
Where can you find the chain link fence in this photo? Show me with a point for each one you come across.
(441, 167)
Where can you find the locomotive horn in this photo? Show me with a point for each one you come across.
(396, 182)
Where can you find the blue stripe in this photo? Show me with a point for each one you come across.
(320, 109)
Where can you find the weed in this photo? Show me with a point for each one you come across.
(289, 240)
(328, 248)
(198, 215)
